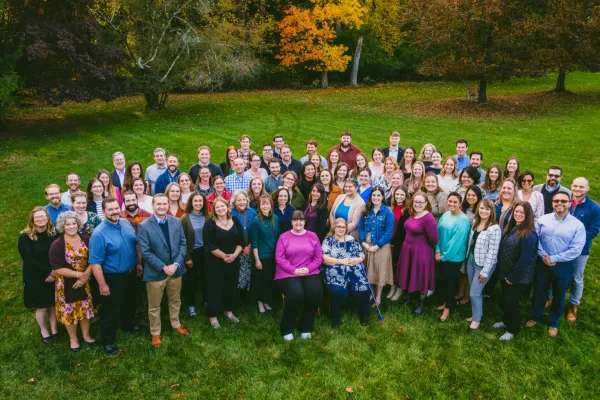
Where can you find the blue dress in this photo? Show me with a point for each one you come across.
(343, 275)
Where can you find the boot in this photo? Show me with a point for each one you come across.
(571, 312)
(419, 310)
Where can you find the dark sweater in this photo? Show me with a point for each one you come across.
(517, 257)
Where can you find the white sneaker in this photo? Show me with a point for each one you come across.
(289, 337)
(499, 325)
(306, 336)
(507, 336)
(429, 293)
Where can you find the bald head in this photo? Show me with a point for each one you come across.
(580, 187)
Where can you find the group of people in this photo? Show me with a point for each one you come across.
(262, 224)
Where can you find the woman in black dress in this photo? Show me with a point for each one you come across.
(38, 279)
(223, 242)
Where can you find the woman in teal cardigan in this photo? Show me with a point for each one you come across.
(451, 250)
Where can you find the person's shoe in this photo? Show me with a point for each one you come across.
(156, 342)
(335, 322)
(445, 315)
(75, 349)
(364, 321)
(571, 312)
(233, 318)
(507, 336)
(408, 300)
(464, 301)
(391, 293)
(215, 324)
(470, 319)
(91, 343)
(498, 325)
(306, 335)
(289, 337)
(111, 350)
(552, 332)
(182, 331)
(442, 307)
(267, 307)
(419, 310)
(192, 311)
(531, 323)
(548, 303)
(48, 339)
(54, 336)
(397, 295)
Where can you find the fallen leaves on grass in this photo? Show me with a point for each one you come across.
(175, 385)
(31, 380)
(349, 390)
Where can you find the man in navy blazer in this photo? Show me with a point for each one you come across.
(393, 149)
(162, 244)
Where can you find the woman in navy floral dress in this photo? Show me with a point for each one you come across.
(344, 272)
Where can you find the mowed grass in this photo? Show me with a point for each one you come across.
(403, 357)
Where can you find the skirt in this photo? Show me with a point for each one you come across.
(245, 272)
(379, 266)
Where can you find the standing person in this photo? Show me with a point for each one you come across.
(448, 177)
(109, 189)
(562, 239)
(223, 243)
(349, 207)
(114, 260)
(506, 201)
(416, 266)
(241, 211)
(315, 159)
(95, 194)
(482, 255)
(407, 161)
(461, 157)
(155, 170)
(512, 170)
(203, 182)
(332, 191)
(245, 150)
(54, 207)
(69, 260)
(425, 156)
(38, 277)
(238, 180)
(396, 181)
(436, 163)
(311, 149)
(231, 154)
(140, 188)
(73, 184)
(400, 207)
(267, 156)
(525, 181)
(344, 272)
(376, 165)
(393, 150)
(516, 266)
(375, 231)
(193, 225)
(341, 173)
(289, 163)
(471, 202)
(475, 160)
(163, 247)
(283, 210)
(204, 161)
(333, 160)
(175, 205)
(298, 257)
(493, 182)
(364, 187)
(588, 212)
(134, 170)
(468, 177)
(308, 177)
(218, 183)
(451, 249)
(255, 191)
(273, 181)
(552, 185)
(169, 176)
(390, 167)
(133, 213)
(435, 195)
(415, 182)
(255, 171)
(264, 233)
(187, 187)
(278, 142)
(316, 212)
(360, 163)
(346, 149)
(89, 220)
(118, 175)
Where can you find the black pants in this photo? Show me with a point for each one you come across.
(262, 281)
(450, 272)
(221, 285)
(511, 294)
(339, 295)
(301, 293)
(119, 306)
(192, 276)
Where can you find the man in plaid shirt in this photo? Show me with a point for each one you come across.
(239, 180)
(133, 213)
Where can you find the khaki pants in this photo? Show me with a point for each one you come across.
(155, 293)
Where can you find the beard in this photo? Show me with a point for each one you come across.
(132, 208)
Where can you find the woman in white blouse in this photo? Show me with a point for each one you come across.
(533, 197)
(448, 178)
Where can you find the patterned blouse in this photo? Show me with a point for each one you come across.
(343, 275)
(92, 222)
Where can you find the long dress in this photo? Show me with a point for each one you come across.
(416, 268)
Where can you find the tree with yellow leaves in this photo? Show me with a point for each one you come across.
(308, 35)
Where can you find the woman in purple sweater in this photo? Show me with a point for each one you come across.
(298, 257)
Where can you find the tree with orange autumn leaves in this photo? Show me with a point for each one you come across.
(308, 35)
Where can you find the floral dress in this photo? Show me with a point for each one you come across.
(343, 275)
(92, 222)
(71, 313)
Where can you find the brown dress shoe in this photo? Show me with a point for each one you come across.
(552, 332)
(548, 303)
(531, 323)
(182, 331)
(572, 312)
(156, 342)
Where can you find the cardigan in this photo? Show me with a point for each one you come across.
(57, 252)
(486, 248)
(356, 207)
(333, 195)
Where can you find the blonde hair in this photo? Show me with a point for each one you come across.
(213, 213)
(168, 191)
(443, 171)
(30, 228)
(337, 221)
(422, 153)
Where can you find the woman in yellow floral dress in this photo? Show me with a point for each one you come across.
(69, 260)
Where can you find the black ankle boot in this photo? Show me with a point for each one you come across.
(419, 310)
(408, 299)
(364, 320)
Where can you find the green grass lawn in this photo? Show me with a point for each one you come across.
(404, 357)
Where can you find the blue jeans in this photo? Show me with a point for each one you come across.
(558, 278)
(577, 282)
(476, 294)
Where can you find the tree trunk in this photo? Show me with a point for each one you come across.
(483, 91)
(324, 80)
(155, 100)
(355, 62)
(560, 82)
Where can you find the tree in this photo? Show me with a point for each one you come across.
(473, 39)
(307, 35)
(8, 63)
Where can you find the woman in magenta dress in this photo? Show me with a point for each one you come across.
(416, 267)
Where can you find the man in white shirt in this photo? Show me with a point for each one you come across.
(73, 183)
(393, 150)
(311, 148)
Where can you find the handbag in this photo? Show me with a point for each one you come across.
(73, 295)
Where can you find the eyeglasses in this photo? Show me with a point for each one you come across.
(526, 180)
(560, 201)
(553, 176)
